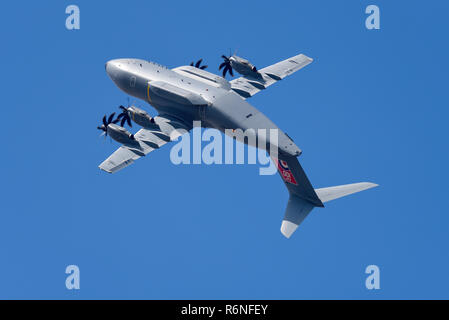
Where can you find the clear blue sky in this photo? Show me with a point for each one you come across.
(373, 106)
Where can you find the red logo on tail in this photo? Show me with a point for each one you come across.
(285, 171)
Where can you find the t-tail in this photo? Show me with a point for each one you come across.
(303, 197)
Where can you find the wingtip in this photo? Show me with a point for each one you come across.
(105, 170)
(307, 57)
(371, 184)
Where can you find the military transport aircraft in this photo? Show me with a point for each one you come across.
(190, 93)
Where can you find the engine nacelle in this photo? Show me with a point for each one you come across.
(141, 117)
(121, 135)
(242, 66)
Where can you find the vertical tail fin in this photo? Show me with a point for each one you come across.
(302, 197)
(295, 179)
(297, 210)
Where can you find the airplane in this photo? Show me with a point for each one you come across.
(190, 93)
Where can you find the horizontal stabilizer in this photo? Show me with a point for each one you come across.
(298, 208)
(331, 193)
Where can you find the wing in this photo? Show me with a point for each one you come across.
(249, 85)
(165, 130)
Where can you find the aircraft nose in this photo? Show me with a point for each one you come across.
(111, 69)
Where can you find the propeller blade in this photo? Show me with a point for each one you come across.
(203, 67)
(115, 121)
(123, 108)
(123, 121)
(111, 117)
(198, 63)
(224, 71)
(129, 122)
(104, 121)
(224, 57)
(230, 72)
(121, 115)
(191, 63)
(221, 65)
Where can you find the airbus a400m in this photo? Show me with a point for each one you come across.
(190, 93)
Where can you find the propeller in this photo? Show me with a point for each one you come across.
(124, 116)
(198, 64)
(106, 122)
(227, 66)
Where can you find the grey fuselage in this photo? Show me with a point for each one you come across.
(191, 94)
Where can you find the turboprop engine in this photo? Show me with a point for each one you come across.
(239, 64)
(120, 134)
(139, 116)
